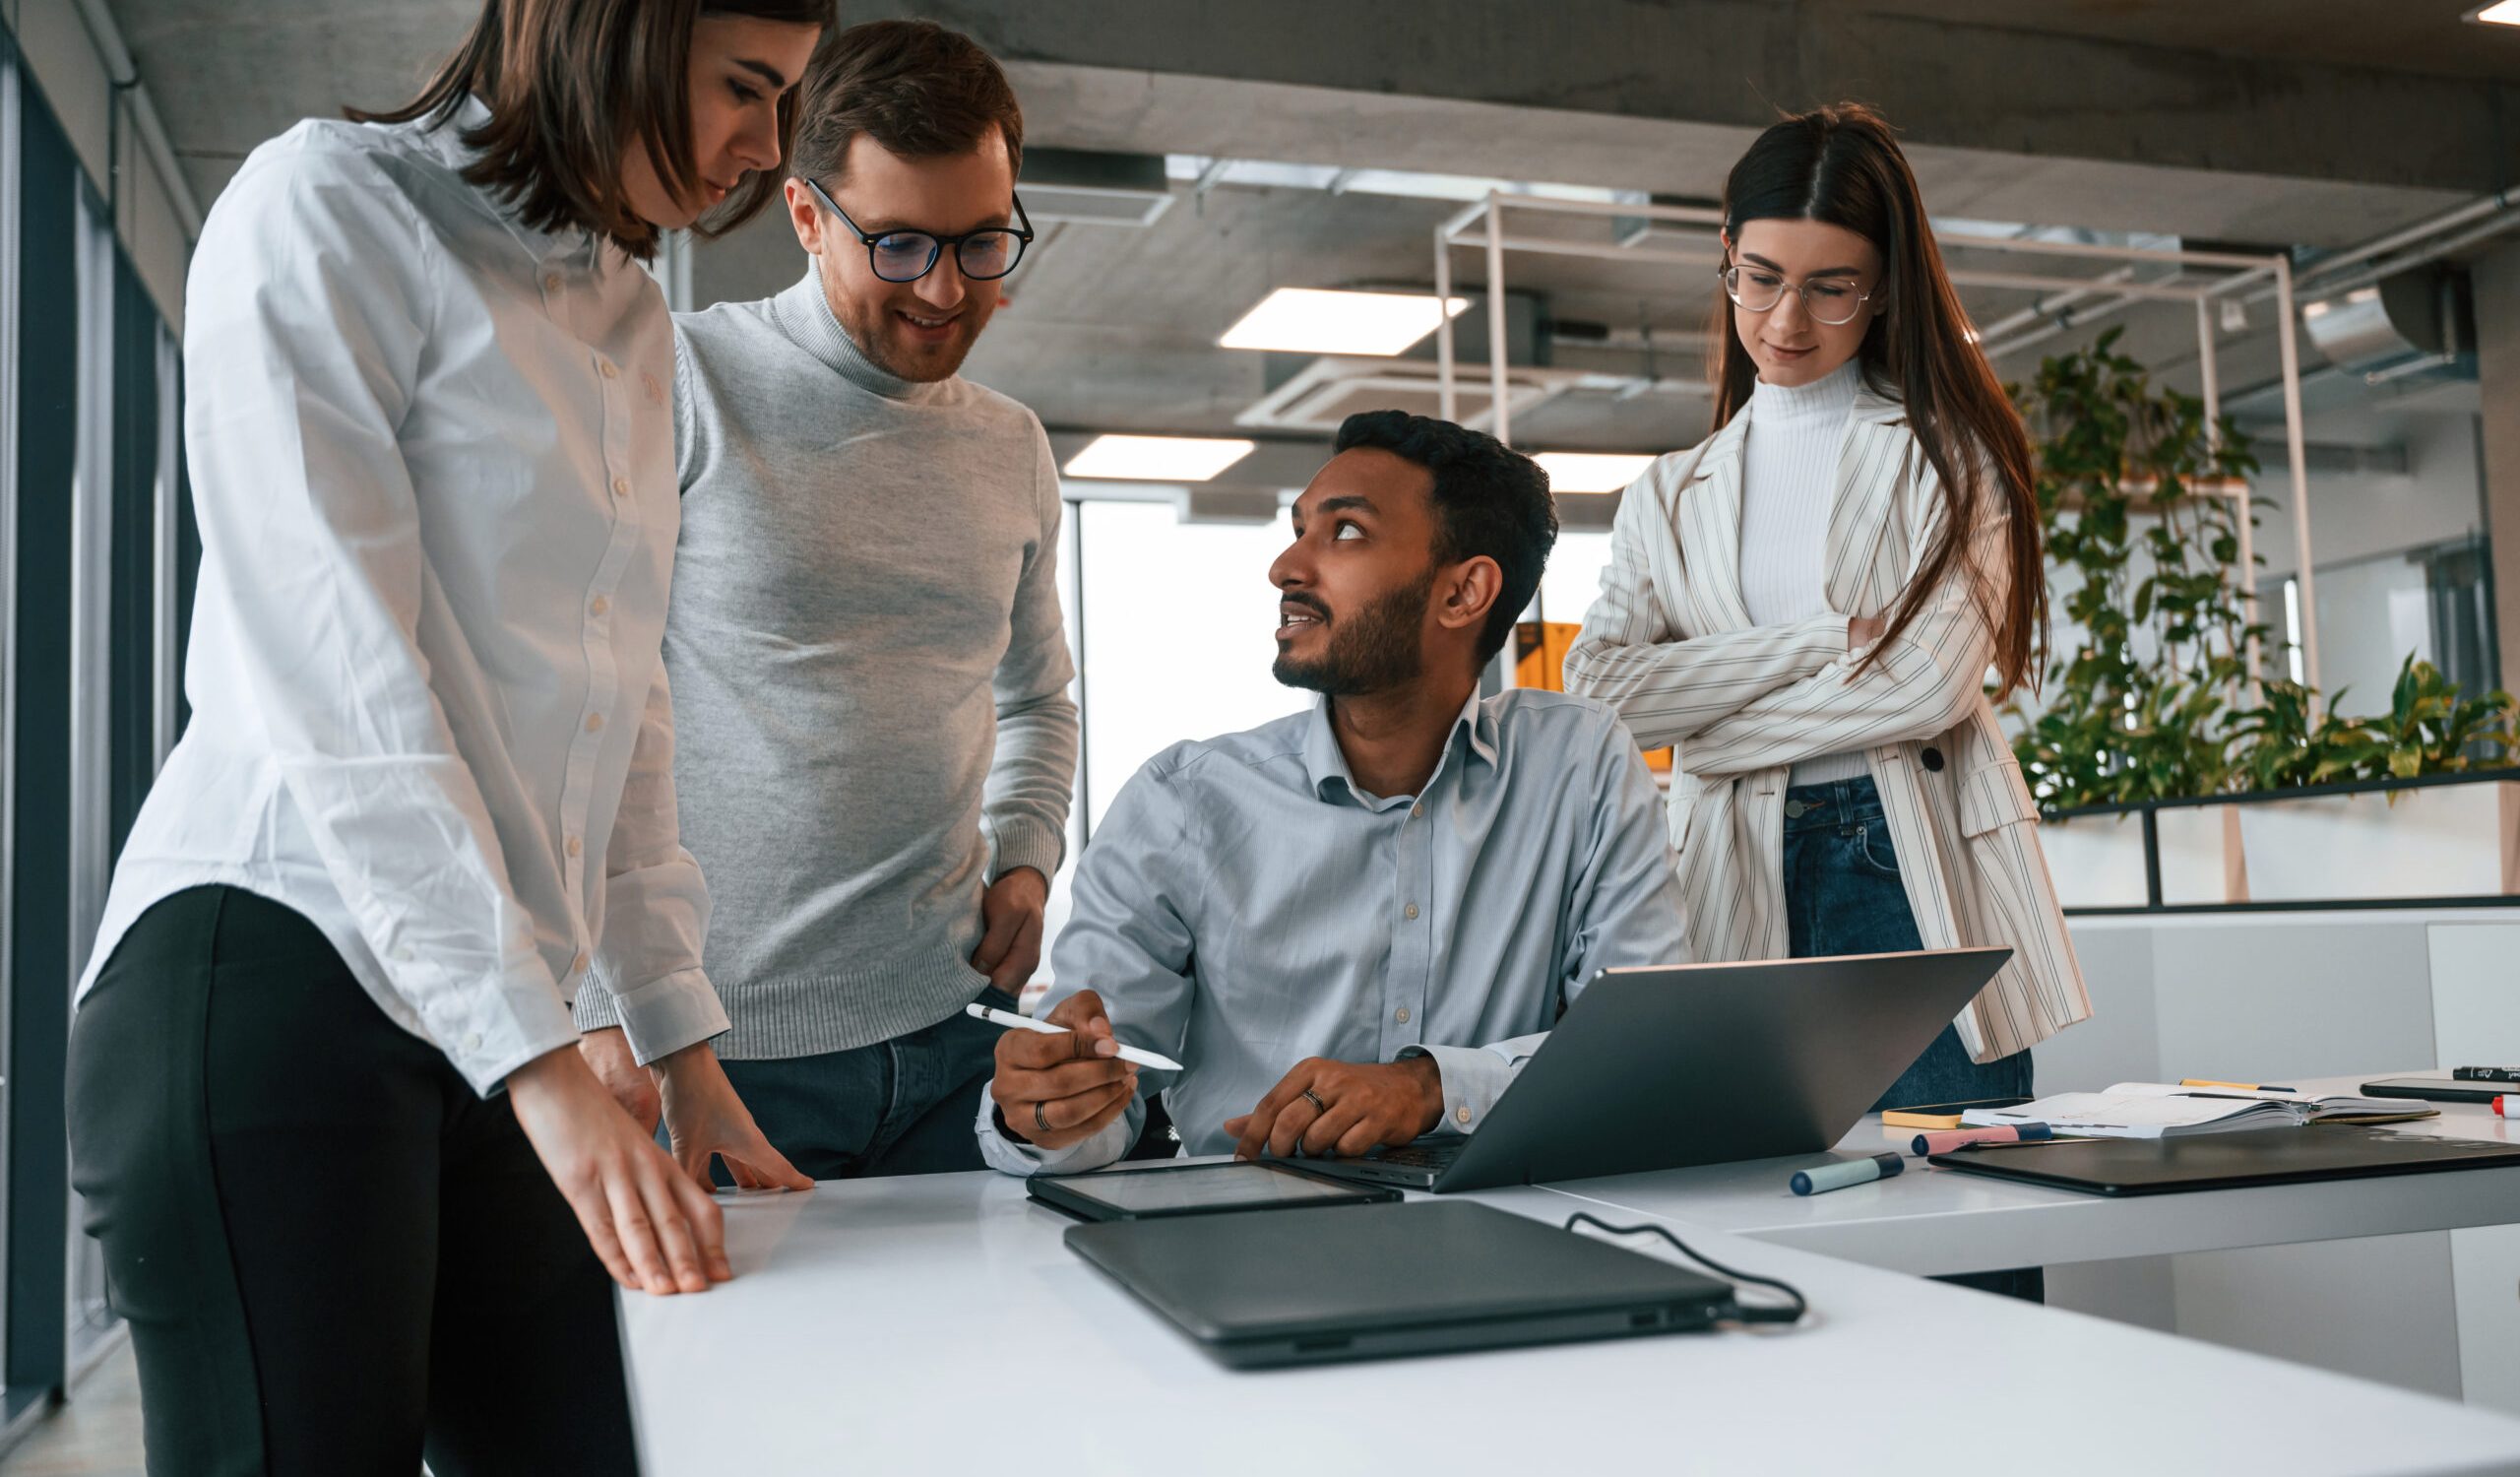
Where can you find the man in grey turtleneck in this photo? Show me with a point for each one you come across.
(875, 746)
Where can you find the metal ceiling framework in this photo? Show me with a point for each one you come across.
(2226, 275)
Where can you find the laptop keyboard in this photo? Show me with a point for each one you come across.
(1421, 1155)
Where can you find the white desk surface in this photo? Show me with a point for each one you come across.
(937, 1323)
(1934, 1221)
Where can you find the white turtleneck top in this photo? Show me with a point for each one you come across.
(1789, 479)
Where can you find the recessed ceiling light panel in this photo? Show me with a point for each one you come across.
(1156, 459)
(2499, 13)
(1589, 471)
(1318, 320)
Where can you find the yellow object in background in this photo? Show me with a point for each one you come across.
(1539, 661)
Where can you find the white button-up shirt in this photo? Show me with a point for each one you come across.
(437, 526)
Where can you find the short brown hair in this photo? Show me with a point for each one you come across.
(568, 84)
(913, 86)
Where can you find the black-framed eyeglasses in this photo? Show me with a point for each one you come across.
(1827, 300)
(983, 255)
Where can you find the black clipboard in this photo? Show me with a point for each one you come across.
(2226, 1161)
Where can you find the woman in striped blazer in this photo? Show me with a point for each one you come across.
(1808, 605)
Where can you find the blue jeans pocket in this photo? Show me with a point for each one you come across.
(1873, 852)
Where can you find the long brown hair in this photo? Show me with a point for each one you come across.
(570, 84)
(1841, 165)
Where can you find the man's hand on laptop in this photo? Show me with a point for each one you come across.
(1341, 1108)
(1054, 1091)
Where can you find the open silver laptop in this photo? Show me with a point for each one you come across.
(1699, 1064)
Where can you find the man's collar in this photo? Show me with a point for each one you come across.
(1324, 762)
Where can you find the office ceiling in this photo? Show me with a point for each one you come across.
(1115, 327)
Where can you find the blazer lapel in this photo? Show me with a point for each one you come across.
(1871, 467)
(1710, 528)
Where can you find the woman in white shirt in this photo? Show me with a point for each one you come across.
(357, 1189)
(1811, 604)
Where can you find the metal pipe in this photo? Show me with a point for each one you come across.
(2298, 454)
(1446, 398)
(2039, 311)
(116, 57)
(1703, 216)
(2493, 226)
(1499, 413)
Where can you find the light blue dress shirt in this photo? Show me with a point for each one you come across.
(1245, 905)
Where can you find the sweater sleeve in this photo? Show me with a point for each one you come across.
(1032, 777)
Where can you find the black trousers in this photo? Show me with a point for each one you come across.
(334, 1256)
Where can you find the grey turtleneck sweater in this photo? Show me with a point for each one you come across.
(869, 673)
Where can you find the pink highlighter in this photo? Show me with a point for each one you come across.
(1946, 1140)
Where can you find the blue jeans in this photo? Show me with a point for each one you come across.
(897, 1106)
(1842, 897)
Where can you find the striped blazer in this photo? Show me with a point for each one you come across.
(1670, 646)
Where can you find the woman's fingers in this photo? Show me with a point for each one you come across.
(661, 1195)
(594, 1218)
(631, 1222)
(708, 1230)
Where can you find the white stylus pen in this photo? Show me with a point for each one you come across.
(1154, 1059)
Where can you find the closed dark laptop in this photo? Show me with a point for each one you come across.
(1700, 1063)
(2226, 1161)
(1320, 1286)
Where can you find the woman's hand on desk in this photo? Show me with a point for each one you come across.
(1055, 1091)
(649, 1223)
(1359, 1105)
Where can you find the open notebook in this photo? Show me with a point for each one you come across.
(2150, 1110)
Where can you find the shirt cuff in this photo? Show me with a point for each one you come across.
(1020, 841)
(660, 1017)
(485, 1046)
(1473, 1079)
(1011, 1157)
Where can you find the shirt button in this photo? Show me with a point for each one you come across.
(609, 373)
(1403, 1015)
(1411, 911)
(551, 283)
(594, 721)
(578, 965)
(599, 606)
(1416, 811)
(621, 487)
(472, 1041)
(1461, 1115)
(575, 846)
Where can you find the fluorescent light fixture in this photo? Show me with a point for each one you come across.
(1316, 320)
(1589, 471)
(1156, 459)
(2500, 13)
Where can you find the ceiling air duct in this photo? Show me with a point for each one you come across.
(2418, 322)
(1089, 187)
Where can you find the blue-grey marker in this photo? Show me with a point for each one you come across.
(1846, 1172)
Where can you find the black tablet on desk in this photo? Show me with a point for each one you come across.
(1141, 1195)
(2437, 1089)
(2224, 1161)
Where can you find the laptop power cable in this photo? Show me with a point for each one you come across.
(1766, 1313)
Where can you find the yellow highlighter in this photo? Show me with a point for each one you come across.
(2235, 1086)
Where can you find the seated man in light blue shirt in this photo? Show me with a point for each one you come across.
(1351, 926)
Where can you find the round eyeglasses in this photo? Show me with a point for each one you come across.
(907, 255)
(1829, 301)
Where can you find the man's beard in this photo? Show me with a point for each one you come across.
(1376, 649)
(873, 329)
